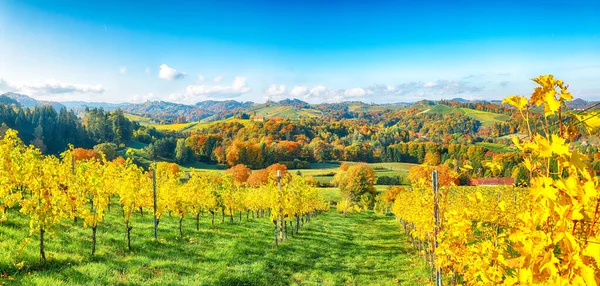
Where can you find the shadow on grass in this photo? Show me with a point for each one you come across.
(330, 249)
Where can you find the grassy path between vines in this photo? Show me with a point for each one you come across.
(361, 249)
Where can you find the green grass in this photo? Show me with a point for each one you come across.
(136, 144)
(209, 124)
(322, 172)
(203, 166)
(188, 126)
(361, 249)
(331, 194)
(440, 108)
(174, 126)
(140, 119)
(287, 112)
(486, 118)
(495, 147)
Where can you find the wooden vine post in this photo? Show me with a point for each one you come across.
(436, 214)
(155, 205)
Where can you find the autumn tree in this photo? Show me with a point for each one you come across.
(261, 177)
(355, 182)
(108, 149)
(239, 173)
(421, 175)
(246, 153)
(84, 154)
(432, 158)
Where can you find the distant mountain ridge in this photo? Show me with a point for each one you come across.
(211, 110)
(79, 106)
(31, 102)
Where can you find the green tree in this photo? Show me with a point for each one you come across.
(108, 149)
(122, 127)
(183, 152)
(355, 182)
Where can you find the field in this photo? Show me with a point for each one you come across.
(288, 112)
(324, 172)
(495, 147)
(188, 126)
(360, 249)
(486, 118)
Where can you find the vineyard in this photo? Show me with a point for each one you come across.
(48, 190)
(277, 228)
(547, 233)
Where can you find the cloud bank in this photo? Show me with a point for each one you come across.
(169, 73)
(51, 87)
(413, 90)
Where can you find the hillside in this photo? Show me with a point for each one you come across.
(486, 118)
(31, 102)
(283, 111)
(79, 106)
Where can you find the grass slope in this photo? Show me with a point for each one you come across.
(495, 147)
(361, 249)
(285, 111)
(324, 172)
(486, 118)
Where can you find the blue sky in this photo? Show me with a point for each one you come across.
(318, 51)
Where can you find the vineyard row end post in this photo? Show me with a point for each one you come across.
(436, 213)
(155, 206)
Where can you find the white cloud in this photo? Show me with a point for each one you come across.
(355, 92)
(274, 91)
(318, 91)
(51, 86)
(123, 69)
(169, 73)
(299, 91)
(7, 87)
(180, 98)
(422, 90)
(218, 79)
(52, 89)
(200, 78)
(237, 88)
(141, 98)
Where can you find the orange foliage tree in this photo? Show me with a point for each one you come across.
(84, 154)
(239, 173)
(246, 153)
(261, 177)
(421, 175)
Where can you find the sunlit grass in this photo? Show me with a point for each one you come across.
(361, 249)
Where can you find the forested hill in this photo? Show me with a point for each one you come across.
(295, 109)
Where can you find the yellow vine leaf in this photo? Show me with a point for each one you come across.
(517, 101)
(558, 145)
(593, 250)
(552, 105)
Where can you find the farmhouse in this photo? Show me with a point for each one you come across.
(258, 118)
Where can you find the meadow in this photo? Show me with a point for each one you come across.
(324, 172)
(361, 249)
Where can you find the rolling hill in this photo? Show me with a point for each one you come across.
(486, 118)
